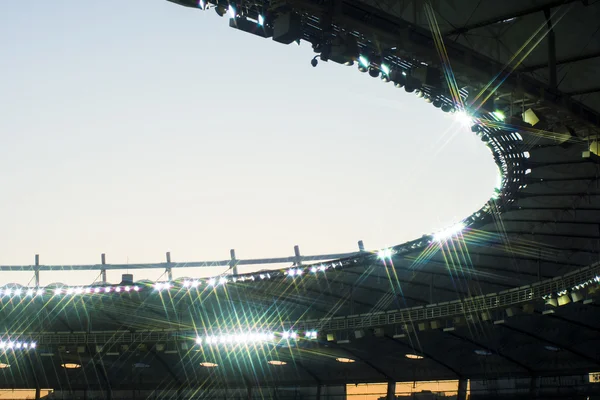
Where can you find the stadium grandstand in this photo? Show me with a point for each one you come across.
(504, 304)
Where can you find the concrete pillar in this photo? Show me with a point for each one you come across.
(318, 392)
(38, 393)
(391, 391)
(462, 389)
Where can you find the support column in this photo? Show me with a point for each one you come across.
(318, 392)
(551, 49)
(37, 270)
(249, 392)
(361, 246)
(169, 270)
(391, 391)
(233, 262)
(297, 256)
(38, 393)
(462, 389)
(103, 270)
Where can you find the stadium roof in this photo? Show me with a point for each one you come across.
(482, 302)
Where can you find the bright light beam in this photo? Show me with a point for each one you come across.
(449, 232)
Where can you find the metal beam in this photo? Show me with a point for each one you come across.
(426, 354)
(592, 360)
(167, 367)
(568, 60)
(570, 321)
(498, 353)
(309, 372)
(584, 91)
(551, 49)
(366, 362)
(504, 17)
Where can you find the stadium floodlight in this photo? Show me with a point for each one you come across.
(363, 64)
(449, 232)
(385, 69)
(212, 282)
(499, 115)
(311, 334)
(384, 254)
(70, 291)
(57, 291)
(17, 345)
(236, 338)
(291, 335)
(18, 292)
(30, 292)
(463, 118)
(232, 11)
(79, 290)
(40, 292)
(97, 290)
(261, 20)
(222, 281)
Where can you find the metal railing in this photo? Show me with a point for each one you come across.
(469, 306)
(168, 266)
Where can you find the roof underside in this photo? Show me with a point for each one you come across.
(505, 32)
(552, 228)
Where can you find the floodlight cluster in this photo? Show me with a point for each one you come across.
(385, 254)
(253, 338)
(239, 338)
(216, 281)
(8, 345)
(449, 233)
(65, 290)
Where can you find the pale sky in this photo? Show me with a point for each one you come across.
(137, 127)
